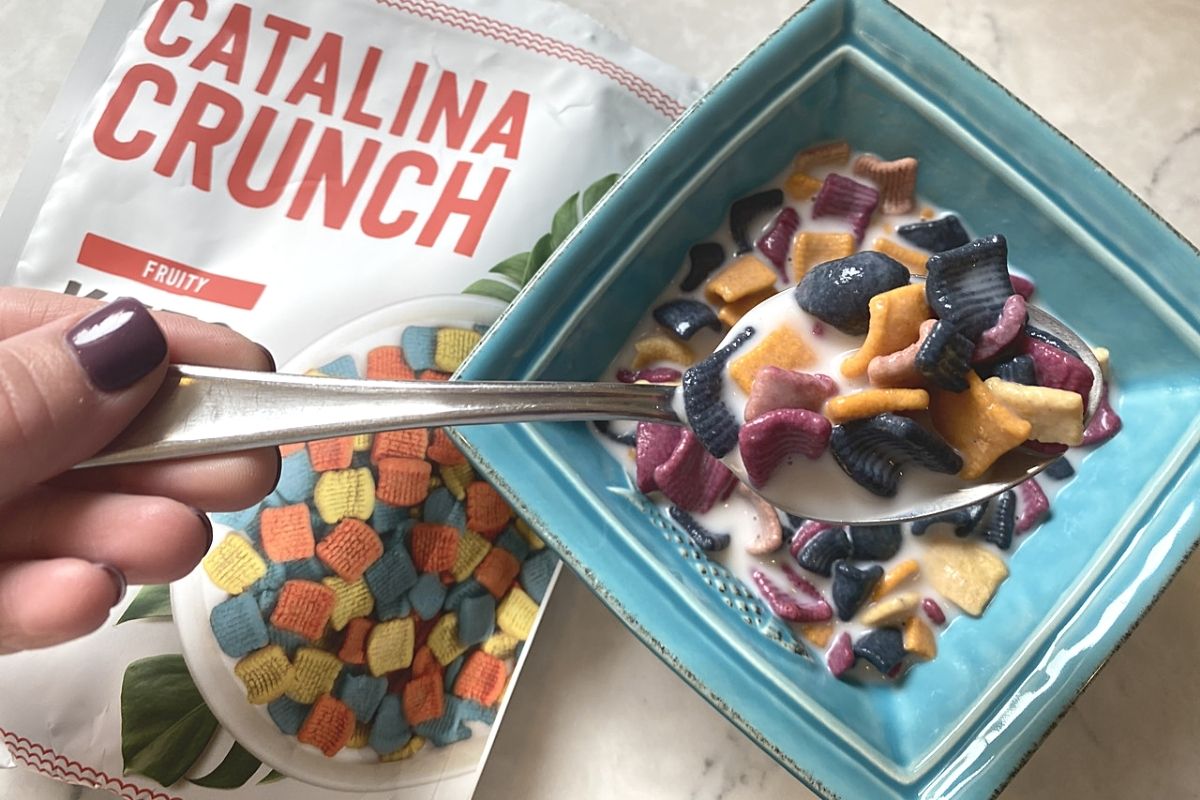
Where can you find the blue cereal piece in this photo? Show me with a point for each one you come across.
(266, 600)
(473, 710)
(514, 543)
(272, 579)
(340, 367)
(536, 572)
(427, 596)
(240, 520)
(965, 520)
(238, 626)
(707, 415)
(820, 552)
(702, 260)
(361, 694)
(389, 731)
(935, 235)
(945, 356)
(1018, 369)
(441, 507)
(1060, 469)
(852, 586)
(394, 608)
(872, 451)
(419, 344)
(461, 591)
(685, 317)
(296, 477)
(392, 574)
(839, 292)
(882, 648)
(999, 530)
(446, 729)
(746, 209)
(385, 517)
(701, 536)
(874, 542)
(287, 714)
(452, 670)
(476, 619)
(290, 642)
(306, 569)
(968, 285)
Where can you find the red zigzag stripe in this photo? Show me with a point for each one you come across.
(53, 765)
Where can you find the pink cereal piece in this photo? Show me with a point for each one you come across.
(1045, 448)
(681, 477)
(650, 375)
(1056, 368)
(854, 202)
(1106, 422)
(841, 656)
(655, 444)
(1022, 286)
(933, 611)
(801, 583)
(785, 605)
(775, 243)
(766, 441)
(818, 329)
(769, 536)
(719, 483)
(775, 387)
(807, 530)
(1034, 505)
(899, 370)
(997, 337)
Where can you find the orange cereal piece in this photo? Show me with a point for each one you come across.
(287, 533)
(433, 375)
(810, 249)
(745, 276)
(442, 450)
(977, 425)
(915, 260)
(730, 313)
(350, 548)
(329, 454)
(928, 213)
(423, 698)
(387, 364)
(481, 678)
(487, 513)
(497, 571)
(403, 481)
(329, 725)
(354, 643)
(894, 577)
(897, 181)
(434, 547)
(411, 443)
(826, 154)
(782, 347)
(818, 633)
(896, 318)
(919, 639)
(286, 450)
(800, 186)
(870, 402)
(424, 662)
(303, 607)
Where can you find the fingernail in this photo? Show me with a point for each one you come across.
(118, 344)
(208, 529)
(270, 358)
(118, 579)
(278, 469)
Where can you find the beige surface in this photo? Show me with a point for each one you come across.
(596, 715)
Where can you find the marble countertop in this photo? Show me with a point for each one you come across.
(595, 715)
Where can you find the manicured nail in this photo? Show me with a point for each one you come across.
(118, 579)
(118, 344)
(270, 358)
(208, 529)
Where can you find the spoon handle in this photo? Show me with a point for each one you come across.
(206, 411)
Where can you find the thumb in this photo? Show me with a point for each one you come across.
(69, 387)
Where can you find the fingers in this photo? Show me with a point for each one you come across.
(47, 602)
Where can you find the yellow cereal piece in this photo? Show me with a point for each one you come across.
(314, 373)
(928, 213)
(500, 645)
(532, 539)
(316, 671)
(656, 348)
(1101, 354)
(782, 347)
(361, 442)
(800, 186)
(453, 346)
(913, 259)
(360, 737)
(471, 550)
(891, 610)
(266, 673)
(408, 751)
(827, 154)
(977, 425)
(457, 478)
(350, 600)
(233, 564)
(870, 402)
(746, 276)
(810, 249)
(896, 318)
(1055, 415)
(894, 577)
(918, 639)
(818, 633)
(443, 639)
(342, 493)
(516, 613)
(390, 645)
(730, 313)
(965, 573)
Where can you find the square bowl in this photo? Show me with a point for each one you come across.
(1108, 266)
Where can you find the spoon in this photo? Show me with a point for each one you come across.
(207, 411)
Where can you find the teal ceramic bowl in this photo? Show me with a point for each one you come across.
(961, 725)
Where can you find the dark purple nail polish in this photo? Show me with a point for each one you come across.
(270, 358)
(118, 344)
(208, 529)
(118, 579)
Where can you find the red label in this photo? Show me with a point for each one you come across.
(162, 273)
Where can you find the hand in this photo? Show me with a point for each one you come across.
(73, 374)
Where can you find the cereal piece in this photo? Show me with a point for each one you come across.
(744, 277)
(1018, 369)
(852, 586)
(296, 476)
(944, 357)
(535, 541)
(827, 154)
(1035, 506)
(354, 644)
(650, 375)
(453, 347)
(707, 415)
(777, 240)
(805, 531)
(427, 596)
(419, 344)
(514, 543)
(685, 317)
(497, 571)
(818, 633)
(872, 451)
(316, 671)
(289, 641)
(304, 608)
(345, 493)
(471, 550)
(233, 565)
(500, 645)
(266, 673)
(821, 551)
(537, 572)
(654, 349)
(933, 611)
(487, 512)
(977, 425)
(899, 370)
(516, 613)
(409, 750)
(351, 599)
(730, 313)
(443, 451)
(918, 639)
(1055, 415)
(841, 656)
(476, 619)
(786, 606)
(774, 388)
(1105, 423)
(403, 481)
(768, 440)
(390, 646)
(360, 737)
(839, 292)
(387, 364)
(938, 235)
(968, 285)
(392, 574)
(769, 536)
(965, 520)
(703, 258)
(800, 186)
(874, 542)
(810, 249)
(389, 730)
(682, 476)
(782, 348)
(424, 662)
(446, 729)
(965, 573)
(241, 521)
(331, 454)
(461, 591)
(999, 336)
(434, 547)
(897, 181)
(701, 536)
(846, 199)
(340, 367)
(892, 610)
(870, 402)
(913, 259)
(362, 695)
(882, 648)
(329, 726)
(441, 507)
(287, 714)
(443, 639)
(1060, 469)
(744, 210)
(237, 626)
(1000, 527)
(895, 576)
(350, 549)
(895, 323)
(1102, 357)
(482, 679)
(1022, 285)
(410, 443)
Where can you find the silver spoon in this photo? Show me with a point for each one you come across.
(207, 411)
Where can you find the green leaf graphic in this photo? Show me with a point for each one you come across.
(512, 267)
(593, 193)
(235, 769)
(537, 256)
(165, 725)
(151, 602)
(273, 776)
(490, 288)
(565, 220)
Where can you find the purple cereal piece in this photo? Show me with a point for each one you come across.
(933, 611)
(775, 387)
(1022, 286)
(650, 375)
(785, 606)
(1056, 368)
(680, 477)
(852, 201)
(841, 656)
(1034, 505)
(769, 536)
(813, 603)
(818, 329)
(806, 531)
(655, 444)
(1045, 448)
(775, 243)
(800, 582)
(766, 441)
(997, 337)
(719, 483)
(1105, 424)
